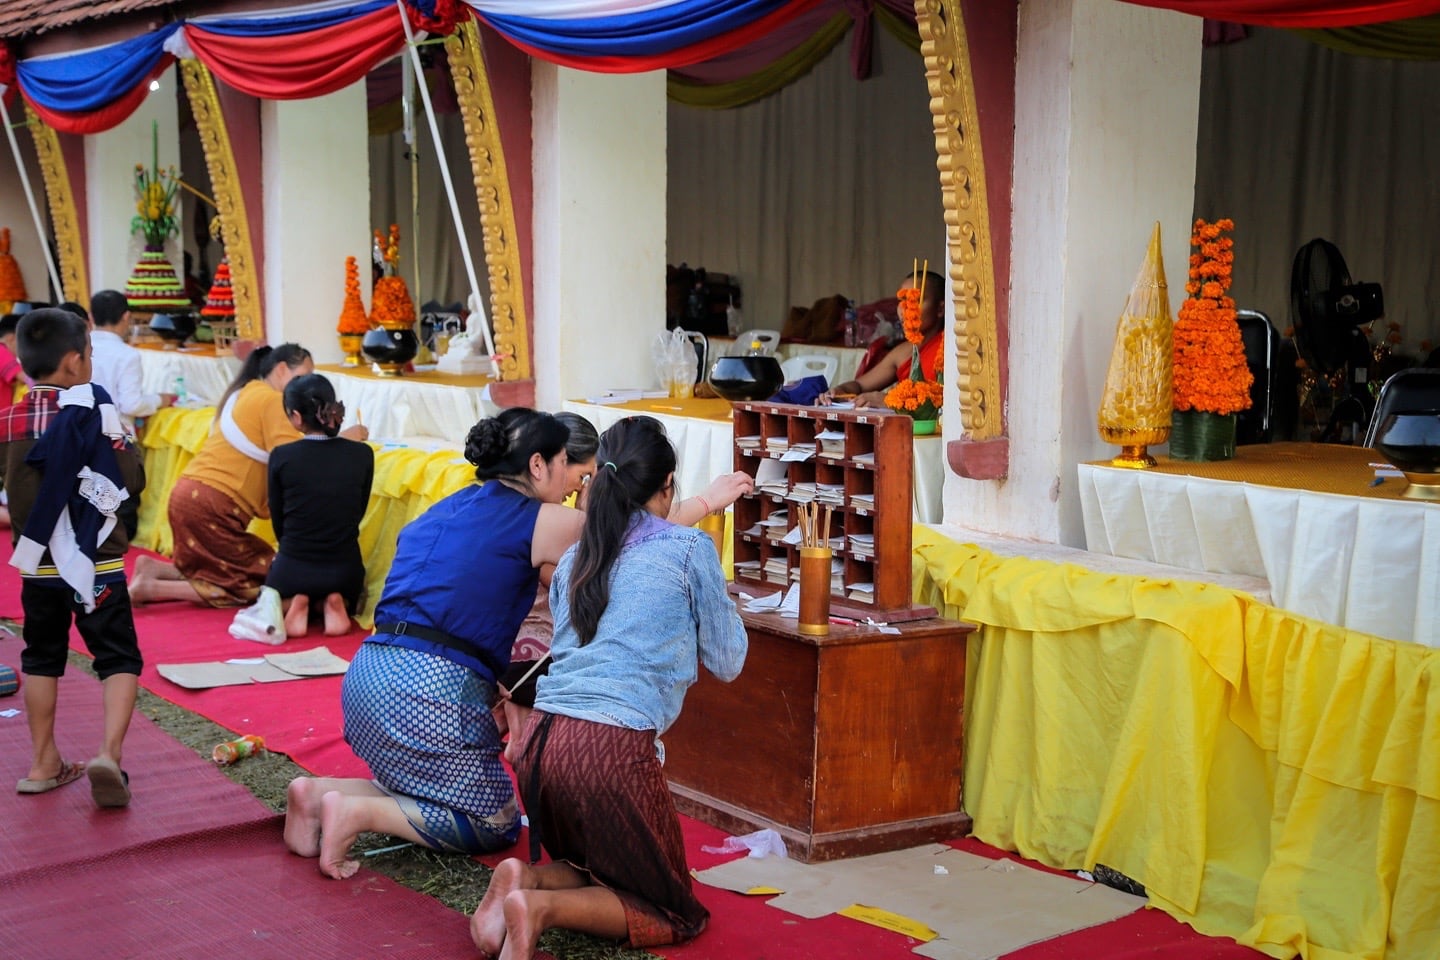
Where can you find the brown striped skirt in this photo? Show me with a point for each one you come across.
(213, 550)
(600, 803)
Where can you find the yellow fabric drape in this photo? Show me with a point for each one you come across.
(1267, 777)
(758, 86)
(1415, 39)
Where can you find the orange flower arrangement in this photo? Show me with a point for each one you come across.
(12, 284)
(390, 305)
(920, 398)
(1210, 374)
(353, 321)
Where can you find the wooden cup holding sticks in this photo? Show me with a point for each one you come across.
(814, 571)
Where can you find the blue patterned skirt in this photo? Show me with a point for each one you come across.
(423, 724)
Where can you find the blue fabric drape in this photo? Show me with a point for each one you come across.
(648, 33)
(90, 80)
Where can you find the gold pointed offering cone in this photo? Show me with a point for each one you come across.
(1135, 406)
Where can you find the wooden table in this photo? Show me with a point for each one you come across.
(845, 745)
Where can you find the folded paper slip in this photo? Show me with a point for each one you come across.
(274, 668)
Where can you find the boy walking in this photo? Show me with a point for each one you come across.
(67, 464)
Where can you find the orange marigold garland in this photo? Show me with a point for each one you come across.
(922, 399)
(1210, 373)
(353, 321)
(390, 304)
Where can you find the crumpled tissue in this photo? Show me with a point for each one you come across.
(761, 843)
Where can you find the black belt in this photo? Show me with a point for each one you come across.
(440, 637)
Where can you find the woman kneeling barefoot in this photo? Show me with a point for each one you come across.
(639, 604)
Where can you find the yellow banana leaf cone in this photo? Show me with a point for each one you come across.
(1135, 408)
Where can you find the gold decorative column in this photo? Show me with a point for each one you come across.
(492, 190)
(967, 218)
(64, 220)
(229, 198)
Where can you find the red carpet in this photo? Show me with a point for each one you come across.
(302, 719)
(194, 867)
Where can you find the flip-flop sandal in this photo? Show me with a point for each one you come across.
(69, 773)
(109, 785)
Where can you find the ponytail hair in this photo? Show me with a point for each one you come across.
(633, 462)
(313, 397)
(502, 445)
(257, 366)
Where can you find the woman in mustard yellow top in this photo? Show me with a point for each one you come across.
(216, 560)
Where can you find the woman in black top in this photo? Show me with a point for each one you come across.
(319, 488)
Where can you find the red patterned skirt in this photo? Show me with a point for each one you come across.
(602, 805)
(223, 562)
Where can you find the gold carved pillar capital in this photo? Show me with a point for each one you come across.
(492, 191)
(229, 198)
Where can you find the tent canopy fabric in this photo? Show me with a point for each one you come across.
(317, 47)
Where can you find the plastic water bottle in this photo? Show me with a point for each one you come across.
(180, 395)
(851, 333)
(757, 349)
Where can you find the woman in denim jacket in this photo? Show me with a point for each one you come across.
(639, 605)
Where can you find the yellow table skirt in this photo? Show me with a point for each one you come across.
(1266, 777)
(407, 482)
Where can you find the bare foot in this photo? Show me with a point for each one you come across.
(297, 618)
(487, 925)
(523, 924)
(149, 567)
(337, 618)
(338, 830)
(302, 817)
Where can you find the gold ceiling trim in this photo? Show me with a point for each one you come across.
(64, 219)
(967, 218)
(492, 191)
(229, 197)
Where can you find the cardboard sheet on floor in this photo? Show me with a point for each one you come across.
(271, 668)
(977, 908)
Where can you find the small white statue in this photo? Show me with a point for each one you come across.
(466, 353)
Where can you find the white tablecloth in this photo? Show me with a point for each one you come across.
(1367, 564)
(705, 449)
(408, 408)
(206, 375)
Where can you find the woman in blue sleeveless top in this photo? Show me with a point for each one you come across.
(417, 696)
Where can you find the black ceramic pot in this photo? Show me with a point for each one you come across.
(1410, 440)
(173, 327)
(746, 378)
(391, 348)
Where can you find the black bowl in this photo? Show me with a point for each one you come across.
(746, 378)
(1410, 440)
(384, 346)
(178, 327)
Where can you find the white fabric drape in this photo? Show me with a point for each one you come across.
(827, 187)
(1297, 141)
(441, 268)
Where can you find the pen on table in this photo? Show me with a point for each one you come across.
(1377, 481)
(846, 622)
(661, 406)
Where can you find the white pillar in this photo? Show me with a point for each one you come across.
(315, 167)
(599, 263)
(110, 159)
(1107, 103)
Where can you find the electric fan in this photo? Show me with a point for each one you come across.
(1327, 311)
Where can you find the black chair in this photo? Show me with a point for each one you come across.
(1262, 347)
(1415, 389)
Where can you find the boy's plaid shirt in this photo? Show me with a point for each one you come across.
(31, 417)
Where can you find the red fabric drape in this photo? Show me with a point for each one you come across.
(1299, 13)
(304, 65)
(695, 53)
(111, 115)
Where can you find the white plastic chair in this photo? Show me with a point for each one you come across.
(769, 342)
(810, 365)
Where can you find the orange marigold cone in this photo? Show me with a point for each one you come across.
(353, 321)
(12, 284)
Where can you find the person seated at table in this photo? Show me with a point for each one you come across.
(319, 489)
(640, 604)
(530, 654)
(418, 695)
(216, 560)
(869, 387)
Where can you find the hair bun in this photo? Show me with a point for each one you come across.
(487, 443)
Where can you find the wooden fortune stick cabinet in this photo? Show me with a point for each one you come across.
(848, 743)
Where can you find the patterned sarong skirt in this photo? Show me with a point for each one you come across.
(213, 550)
